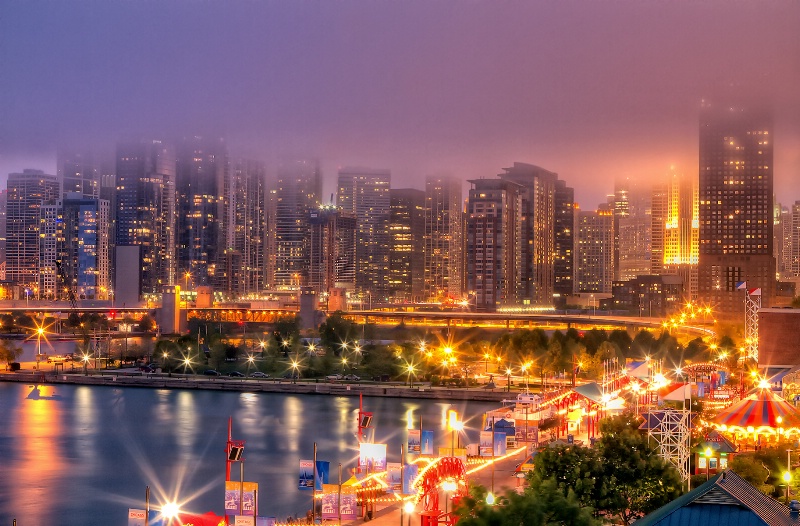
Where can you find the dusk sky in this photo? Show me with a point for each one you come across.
(593, 90)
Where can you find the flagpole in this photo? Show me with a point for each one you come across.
(314, 488)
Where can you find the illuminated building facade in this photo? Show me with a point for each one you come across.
(493, 255)
(146, 214)
(736, 195)
(365, 193)
(594, 251)
(27, 191)
(677, 221)
(444, 238)
(564, 239)
(246, 230)
(203, 197)
(633, 230)
(406, 233)
(298, 191)
(332, 248)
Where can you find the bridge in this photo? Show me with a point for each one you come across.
(439, 319)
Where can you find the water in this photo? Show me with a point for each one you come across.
(78, 455)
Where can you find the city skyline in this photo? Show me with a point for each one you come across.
(591, 91)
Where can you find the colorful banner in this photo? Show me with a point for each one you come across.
(323, 471)
(394, 484)
(427, 443)
(410, 474)
(136, 517)
(244, 520)
(499, 444)
(532, 434)
(330, 502)
(414, 441)
(349, 506)
(485, 444)
(372, 457)
(232, 492)
(306, 479)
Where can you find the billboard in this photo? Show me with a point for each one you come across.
(372, 457)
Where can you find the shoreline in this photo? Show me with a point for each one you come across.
(162, 381)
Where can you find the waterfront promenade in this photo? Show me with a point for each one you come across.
(285, 386)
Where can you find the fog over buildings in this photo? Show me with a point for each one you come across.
(594, 91)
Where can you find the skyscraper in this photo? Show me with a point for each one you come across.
(594, 251)
(146, 209)
(27, 191)
(632, 220)
(365, 192)
(564, 239)
(537, 242)
(332, 250)
(298, 190)
(444, 238)
(736, 185)
(78, 174)
(202, 188)
(406, 233)
(246, 228)
(493, 255)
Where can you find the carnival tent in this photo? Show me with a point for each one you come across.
(762, 412)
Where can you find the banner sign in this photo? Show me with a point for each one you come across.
(499, 444)
(232, 492)
(372, 457)
(485, 444)
(323, 471)
(330, 502)
(243, 520)
(394, 484)
(458, 452)
(349, 506)
(306, 480)
(410, 474)
(136, 517)
(427, 442)
(532, 434)
(414, 441)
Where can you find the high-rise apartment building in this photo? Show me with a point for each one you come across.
(444, 238)
(594, 251)
(493, 256)
(633, 227)
(146, 214)
(406, 238)
(78, 174)
(27, 191)
(298, 190)
(202, 189)
(793, 237)
(682, 232)
(365, 193)
(537, 242)
(736, 193)
(246, 229)
(564, 239)
(782, 240)
(332, 249)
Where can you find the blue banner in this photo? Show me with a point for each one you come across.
(323, 471)
(427, 442)
(410, 474)
(306, 478)
(499, 444)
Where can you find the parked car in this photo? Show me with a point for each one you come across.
(259, 374)
(352, 377)
(212, 372)
(236, 374)
(334, 377)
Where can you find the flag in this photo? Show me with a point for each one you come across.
(742, 285)
(754, 292)
(677, 392)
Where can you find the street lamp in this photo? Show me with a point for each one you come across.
(708, 460)
(295, 372)
(508, 379)
(787, 478)
(39, 334)
(86, 364)
(410, 371)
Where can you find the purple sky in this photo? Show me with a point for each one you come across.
(593, 90)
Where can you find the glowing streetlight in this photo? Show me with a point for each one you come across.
(409, 372)
(85, 360)
(295, 371)
(170, 511)
(708, 460)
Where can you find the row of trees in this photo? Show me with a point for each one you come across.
(619, 480)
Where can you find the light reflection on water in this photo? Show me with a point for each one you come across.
(83, 455)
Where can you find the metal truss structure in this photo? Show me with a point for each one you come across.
(752, 304)
(671, 429)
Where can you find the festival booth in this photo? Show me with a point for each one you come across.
(761, 416)
(713, 454)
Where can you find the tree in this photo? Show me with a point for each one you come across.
(622, 477)
(544, 505)
(9, 351)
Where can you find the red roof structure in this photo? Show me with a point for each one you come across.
(762, 412)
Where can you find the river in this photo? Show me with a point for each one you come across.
(78, 455)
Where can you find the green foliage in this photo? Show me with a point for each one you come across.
(9, 351)
(147, 323)
(545, 505)
(763, 469)
(335, 330)
(622, 477)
